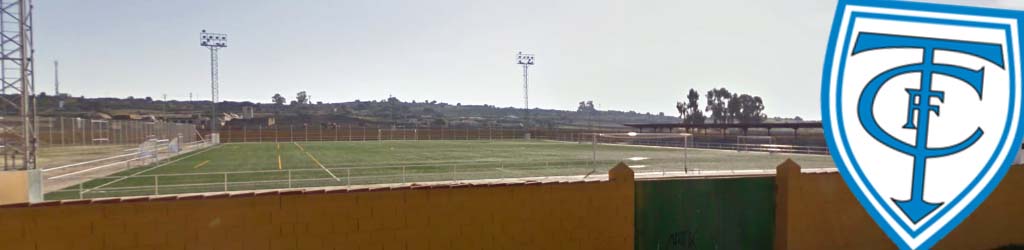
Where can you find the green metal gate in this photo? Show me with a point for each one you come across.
(733, 213)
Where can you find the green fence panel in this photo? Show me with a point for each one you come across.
(733, 213)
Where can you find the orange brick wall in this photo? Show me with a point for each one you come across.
(818, 211)
(590, 215)
(15, 187)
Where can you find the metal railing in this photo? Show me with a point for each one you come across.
(159, 184)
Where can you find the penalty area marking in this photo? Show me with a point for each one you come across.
(300, 146)
(322, 166)
(154, 167)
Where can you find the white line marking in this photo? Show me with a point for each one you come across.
(322, 166)
(93, 168)
(87, 162)
(147, 170)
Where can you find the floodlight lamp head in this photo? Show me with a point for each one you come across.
(213, 40)
(524, 59)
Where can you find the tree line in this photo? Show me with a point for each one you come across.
(721, 106)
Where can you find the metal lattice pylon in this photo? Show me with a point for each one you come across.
(215, 42)
(17, 92)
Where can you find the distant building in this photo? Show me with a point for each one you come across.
(264, 122)
(247, 112)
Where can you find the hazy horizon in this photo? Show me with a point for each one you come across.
(623, 55)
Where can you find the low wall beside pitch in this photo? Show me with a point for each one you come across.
(818, 211)
(571, 215)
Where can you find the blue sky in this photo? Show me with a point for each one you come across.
(623, 55)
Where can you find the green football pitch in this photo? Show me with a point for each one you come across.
(250, 166)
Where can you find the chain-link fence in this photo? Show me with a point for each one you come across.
(73, 131)
(299, 133)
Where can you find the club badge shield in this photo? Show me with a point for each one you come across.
(921, 107)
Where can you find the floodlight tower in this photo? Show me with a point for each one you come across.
(16, 83)
(214, 42)
(526, 60)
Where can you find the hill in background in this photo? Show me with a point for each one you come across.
(386, 112)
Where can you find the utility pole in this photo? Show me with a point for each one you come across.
(56, 86)
(56, 79)
(214, 42)
(526, 60)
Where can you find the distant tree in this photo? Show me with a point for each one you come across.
(693, 115)
(301, 97)
(458, 104)
(661, 113)
(278, 99)
(754, 110)
(149, 99)
(733, 109)
(586, 107)
(319, 103)
(681, 107)
(293, 102)
(42, 94)
(129, 97)
(798, 118)
(717, 100)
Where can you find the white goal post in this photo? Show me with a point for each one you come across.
(682, 140)
(685, 139)
(748, 142)
(398, 134)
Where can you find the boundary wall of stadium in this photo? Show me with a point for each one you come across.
(792, 210)
(571, 215)
(797, 209)
(818, 211)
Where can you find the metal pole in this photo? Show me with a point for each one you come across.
(61, 131)
(593, 159)
(526, 101)
(213, 91)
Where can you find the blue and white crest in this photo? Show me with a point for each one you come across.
(921, 105)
